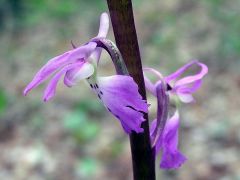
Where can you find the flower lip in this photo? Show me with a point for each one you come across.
(123, 100)
(171, 157)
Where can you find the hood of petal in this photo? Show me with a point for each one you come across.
(76, 74)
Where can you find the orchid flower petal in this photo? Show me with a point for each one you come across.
(104, 25)
(78, 73)
(158, 74)
(191, 79)
(171, 157)
(51, 66)
(190, 89)
(149, 85)
(179, 72)
(120, 96)
(103, 31)
(185, 98)
(82, 52)
(58, 62)
(186, 86)
(51, 88)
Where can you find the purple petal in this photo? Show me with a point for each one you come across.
(194, 78)
(179, 72)
(78, 73)
(46, 71)
(104, 25)
(58, 62)
(51, 88)
(188, 84)
(149, 85)
(171, 157)
(103, 31)
(190, 88)
(120, 96)
(185, 97)
(171, 131)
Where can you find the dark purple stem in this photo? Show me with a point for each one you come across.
(126, 39)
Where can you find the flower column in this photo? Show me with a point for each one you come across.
(126, 38)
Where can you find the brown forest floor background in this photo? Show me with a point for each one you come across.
(72, 137)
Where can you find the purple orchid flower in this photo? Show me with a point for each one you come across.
(118, 93)
(164, 131)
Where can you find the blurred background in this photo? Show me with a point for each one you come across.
(72, 137)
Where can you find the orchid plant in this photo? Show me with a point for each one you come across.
(120, 94)
(164, 129)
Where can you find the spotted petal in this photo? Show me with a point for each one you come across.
(120, 96)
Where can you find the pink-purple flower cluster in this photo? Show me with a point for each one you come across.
(119, 93)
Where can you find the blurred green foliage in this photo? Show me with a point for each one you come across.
(87, 167)
(36, 123)
(80, 126)
(38, 10)
(3, 101)
(28, 13)
(227, 14)
(92, 106)
(116, 148)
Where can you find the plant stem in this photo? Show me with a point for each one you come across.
(126, 39)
